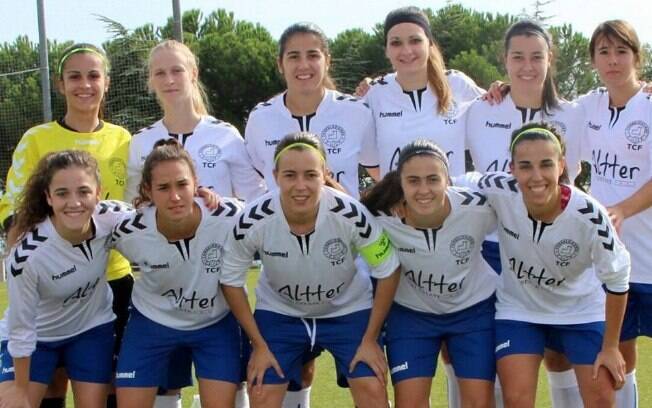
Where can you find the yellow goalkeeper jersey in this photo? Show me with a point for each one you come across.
(109, 145)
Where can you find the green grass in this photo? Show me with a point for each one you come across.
(326, 393)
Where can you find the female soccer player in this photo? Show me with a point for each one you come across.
(558, 251)
(446, 288)
(311, 104)
(82, 77)
(216, 146)
(178, 243)
(310, 294)
(421, 99)
(221, 161)
(533, 97)
(616, 143)
(59, 302)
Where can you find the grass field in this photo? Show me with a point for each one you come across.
(326, 393)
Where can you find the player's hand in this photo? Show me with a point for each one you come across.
(363, 87)
(14, 397)
(261, 359)
(647, 87)
(617, 216)
(211, 198)
(612, 360)
(496, 93)
(369, 352)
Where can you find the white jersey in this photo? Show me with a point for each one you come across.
(401, 117)
(56, 289)
(616, 143)
(489, 130)
(217, 148)
(553, 273)
(179, 282)
(312, 275)
(343, 123)
(442, 270)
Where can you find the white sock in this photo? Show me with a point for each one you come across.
(627, 397)
(564, 391)
(453, 387)
(241, 396)
(297, 399)
(498, 394)
(167, 401)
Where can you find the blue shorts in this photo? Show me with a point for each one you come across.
(638, 315)
(414, 340)
(491, 254)
(289, 340)
(87, 357)
(580, 343)
(148, 348)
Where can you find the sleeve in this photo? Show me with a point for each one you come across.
(374, 246)
(466, 90)
(583, 108)
(368, 152)
(247, 182)
(251, 135)
(239, 251)
(611, 259)
(23, 162)
(22, 285)
(134, 171)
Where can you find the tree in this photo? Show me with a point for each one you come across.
(574, 74)
(356, 54)
(477, 67)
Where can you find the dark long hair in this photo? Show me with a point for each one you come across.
(164, 150)
(32, 205)
(388, 193)
(527, 28)
(85, 48)
(307, 28)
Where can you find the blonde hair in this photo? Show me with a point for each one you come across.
(199, 97)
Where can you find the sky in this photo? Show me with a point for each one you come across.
(75, 19)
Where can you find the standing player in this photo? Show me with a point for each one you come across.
(83, 80)
(616, 142)
(421, 99)
(310, 294)
(558, 250)
(59, 311)
(217, 147)
(311, 104)
(532, 98)
(446, 288)
(177, 304)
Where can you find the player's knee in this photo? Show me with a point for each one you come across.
(370, 393)
(518, 399)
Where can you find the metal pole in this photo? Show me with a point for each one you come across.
(43, 62)
(176, 15)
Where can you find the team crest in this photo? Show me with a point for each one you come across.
(452, 111)
(566, 249)
(637, 132)
(559, 126)
(118, 168)
(462, 246)
(211, 257)
(333, 136)
(335, 249)
(210, 153)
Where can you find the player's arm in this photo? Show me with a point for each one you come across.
(639, 201)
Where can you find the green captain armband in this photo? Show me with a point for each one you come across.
(378, 251)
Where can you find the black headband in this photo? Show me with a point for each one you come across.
(408, 15)
(438, 154)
